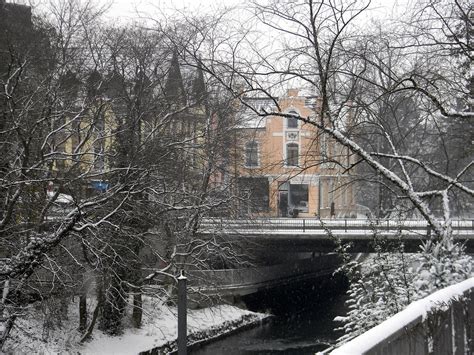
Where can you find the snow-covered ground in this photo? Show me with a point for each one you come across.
(159, 328)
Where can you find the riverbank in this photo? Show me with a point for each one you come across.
(214, 333)
(158, 331)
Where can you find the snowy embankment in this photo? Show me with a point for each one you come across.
(159, 329)
(417, 311)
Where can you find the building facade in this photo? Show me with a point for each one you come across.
(288, 168)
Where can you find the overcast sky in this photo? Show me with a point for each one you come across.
(126, 10)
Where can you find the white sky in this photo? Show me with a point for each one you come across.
(128, 10)
(124, 11)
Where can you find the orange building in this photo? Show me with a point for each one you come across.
(287, 167)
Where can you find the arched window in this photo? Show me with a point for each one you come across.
(251, 154)
(292, 154)
(292, 122)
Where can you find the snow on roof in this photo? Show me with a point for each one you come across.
(248, 118)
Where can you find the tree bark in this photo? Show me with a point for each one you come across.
(95, 315)
(137, 309)
(83, 312)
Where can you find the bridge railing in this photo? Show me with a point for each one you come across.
(312, 224)
(442, 323)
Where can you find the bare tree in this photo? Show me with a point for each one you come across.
(323, 49)
(386, 96)
(112, 143)
(42, 111)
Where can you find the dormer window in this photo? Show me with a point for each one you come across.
(291, 122)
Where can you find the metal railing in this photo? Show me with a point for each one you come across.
(312, 224)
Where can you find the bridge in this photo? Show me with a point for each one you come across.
(237, 285)
(241, 282)
(316, 235)
(439, 324)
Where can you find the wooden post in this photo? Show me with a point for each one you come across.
(182, 315)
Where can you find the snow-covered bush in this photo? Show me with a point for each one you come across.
(381, 286)
(441, 265)
(385, 283)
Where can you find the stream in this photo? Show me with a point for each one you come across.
(302, 327)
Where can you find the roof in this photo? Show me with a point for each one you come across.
(247, 116)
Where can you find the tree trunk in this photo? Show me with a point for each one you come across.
(8, 325)
(83, 312)
(95, 315)
(137, 309)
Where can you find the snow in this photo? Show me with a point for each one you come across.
(275, 223)
(162, 329)
(159, 328)
(462, 234)
(61, 198)
(415, 311)
(249, 121)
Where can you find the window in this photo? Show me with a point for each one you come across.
(292, 122)
(310, 102)
(299, 197)
(254, 193)
(251, 154)
(292, 154)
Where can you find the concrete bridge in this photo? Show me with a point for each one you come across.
(241, 282)
(315, 235)
(440, 324)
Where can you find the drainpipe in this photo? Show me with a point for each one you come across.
(319, 196)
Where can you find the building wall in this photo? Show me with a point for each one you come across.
(324, 181)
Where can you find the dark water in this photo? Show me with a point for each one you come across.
(304, 330)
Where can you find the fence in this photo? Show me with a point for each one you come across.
(309, 224)
(440, 324)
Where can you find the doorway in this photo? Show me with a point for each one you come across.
(283, 203)
(283, 198)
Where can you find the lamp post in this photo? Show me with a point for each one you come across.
(182, 315)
